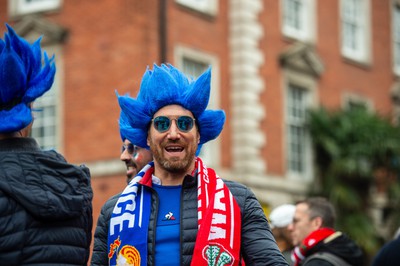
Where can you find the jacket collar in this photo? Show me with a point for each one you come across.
(19, 145)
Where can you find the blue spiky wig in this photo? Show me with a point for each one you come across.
(123, 126)
(23, 78)
(166, 85)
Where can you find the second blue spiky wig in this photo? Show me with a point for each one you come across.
(23, 78)
(166, 85)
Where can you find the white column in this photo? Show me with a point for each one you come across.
(246, 84)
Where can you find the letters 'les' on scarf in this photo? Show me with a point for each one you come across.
(219, 221)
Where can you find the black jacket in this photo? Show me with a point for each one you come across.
(341, 246)
(45, 207)
(389, 254)
(258, 244)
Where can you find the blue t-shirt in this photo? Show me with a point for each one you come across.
(167, 232)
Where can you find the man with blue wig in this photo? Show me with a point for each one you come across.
(45, 202)
(176, 211)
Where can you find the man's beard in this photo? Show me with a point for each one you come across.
(174, 165)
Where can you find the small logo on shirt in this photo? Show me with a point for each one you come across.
(169, 216)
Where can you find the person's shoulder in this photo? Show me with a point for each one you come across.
(240, 191)
(110, 203)
(113, 198)
(56, 160)
(325, 259)
(51, 153)
(236, 185)
(389, 253)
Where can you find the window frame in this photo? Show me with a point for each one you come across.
(211, 151)
(309, 86)
(360, 21)
(22, 7)
(50, 98)
(351, 99)
(209, 7)
(396, 37)
(307, 19)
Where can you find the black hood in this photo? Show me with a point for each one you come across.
(343, 247)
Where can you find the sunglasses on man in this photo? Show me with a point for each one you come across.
(163, 123)
(132, 149)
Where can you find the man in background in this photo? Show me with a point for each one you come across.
(134, 157)
(316, 241)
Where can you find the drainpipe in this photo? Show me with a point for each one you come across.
(162, 30)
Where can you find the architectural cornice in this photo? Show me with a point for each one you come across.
(33, 26)
(302, 57)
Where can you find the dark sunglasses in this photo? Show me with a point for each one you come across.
(132, 149)
(163, 123)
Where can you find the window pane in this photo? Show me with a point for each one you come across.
(192, 68)
(207, 6)
(354, 28)
(22, 7)
(293, 13)
(44, 126)
(296, 139)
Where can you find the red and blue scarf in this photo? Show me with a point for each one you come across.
(219, 221)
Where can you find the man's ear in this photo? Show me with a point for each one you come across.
(317, 222)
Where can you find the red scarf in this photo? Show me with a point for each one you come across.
(218, 238)
(299, 253)
(219, 221)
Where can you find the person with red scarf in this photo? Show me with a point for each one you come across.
(176, 210)
(317, 242)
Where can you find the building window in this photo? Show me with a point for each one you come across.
(356, 106)
(193, 69)
(44, 126)
(298, 144)
(298, 19)
(46, 113)
(193, 63)
(352, 101)
(205, 6)
(23, 7)
(396, 38)
(355, 29)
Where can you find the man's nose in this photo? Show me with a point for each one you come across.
(290, 227)
(174, 131)
(125, 155)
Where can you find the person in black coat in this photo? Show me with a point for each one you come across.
(389, 254)
(45, 202)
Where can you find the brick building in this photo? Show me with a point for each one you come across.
(271, 60)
